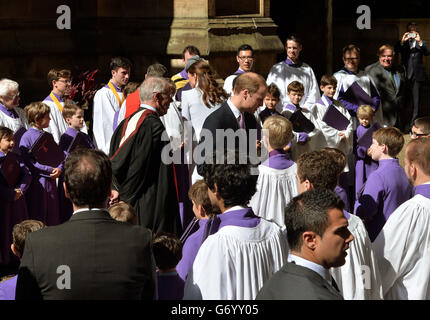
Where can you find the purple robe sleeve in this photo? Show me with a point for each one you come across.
(31, 163)
(25, 181)
(351, 107)
(6, 193)
(366, 206)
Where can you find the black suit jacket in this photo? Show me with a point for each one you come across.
(107, 259)
(392, 98)
(223, 118)
(412, 59)
(295, 282)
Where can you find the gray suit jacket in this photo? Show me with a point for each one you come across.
(295, 282)
(392, 98)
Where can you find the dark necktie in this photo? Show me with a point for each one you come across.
(334, 284)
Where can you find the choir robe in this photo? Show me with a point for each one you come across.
(169, 286)
(104, 109)
(13, 119)
(12, 212)
(190, 248)
(234, 262)
(58, 125)
(403, 248)
(341, 192)
(140, 175)
(331, 135)
(7, 288)
(285, 72)
(354, 280)
(316, 137)
(345, 79)
(42, 195)
(386, 188)
(364, 164)
(66, 208)
(276, 186)
(228, 82)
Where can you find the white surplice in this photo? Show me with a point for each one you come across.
(345, 80)
(58, 125)
(234, 263)
(282, 75)
(403, 251)
(331, 135)
(359, 278)
(275, 188)
(14, 124)
(105, 106)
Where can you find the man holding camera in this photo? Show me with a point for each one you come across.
(412, 49)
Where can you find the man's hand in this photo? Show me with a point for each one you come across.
(418, 38)
(342, 135)
(55, 173)
(405, 37)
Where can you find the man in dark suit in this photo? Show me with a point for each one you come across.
(318, 236)
(91, 256)
(413, 48)
(390, 80)
(236, 113)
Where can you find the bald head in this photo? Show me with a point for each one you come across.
(418, 154)
(249, 92)
(250, 81)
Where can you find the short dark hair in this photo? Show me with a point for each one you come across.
(338, 156)
(418, 151)
(20, 232)
(328, 80)
(120, 62)
(167, 249)
(296, 86)
(294, 37)
(88, 177)
(192, 50)
(392, 138)
(273, 90)
(244, 47)
(5, 132)
(55, 74)
(199, 194)
(319, 168)
(350, 48)
(423, 124)
(236, 185)
(70, 109)
(309, 212)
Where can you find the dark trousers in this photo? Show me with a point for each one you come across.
(416, 89)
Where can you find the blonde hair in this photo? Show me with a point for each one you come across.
(365, 111)
(36, 111)
(280, 131)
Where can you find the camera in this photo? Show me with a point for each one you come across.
(412, 35)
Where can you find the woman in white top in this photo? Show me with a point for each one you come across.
(205, 97)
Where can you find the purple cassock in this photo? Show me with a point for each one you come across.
(267, 113)
(7, 289)
(343, 195)
(241, 218)
(278, 159)
(170, 286)
(423, 189)
(11, 212)
(42, 196)
(66, 139)
(364, 164)
(385, 189)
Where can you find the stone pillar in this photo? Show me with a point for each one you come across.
(218, 28)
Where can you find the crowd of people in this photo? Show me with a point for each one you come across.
(276, 188)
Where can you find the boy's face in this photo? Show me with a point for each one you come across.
(295, 97)
(376, 150)
(328, 90)
(365, 122)
(77, 120)
(270, 101)
(43, 122)
(6, 144)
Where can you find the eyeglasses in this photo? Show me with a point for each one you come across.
(244, 58)
(417, 135)
(65, 81)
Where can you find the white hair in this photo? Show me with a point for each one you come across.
(7, 85)
(151, 85)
